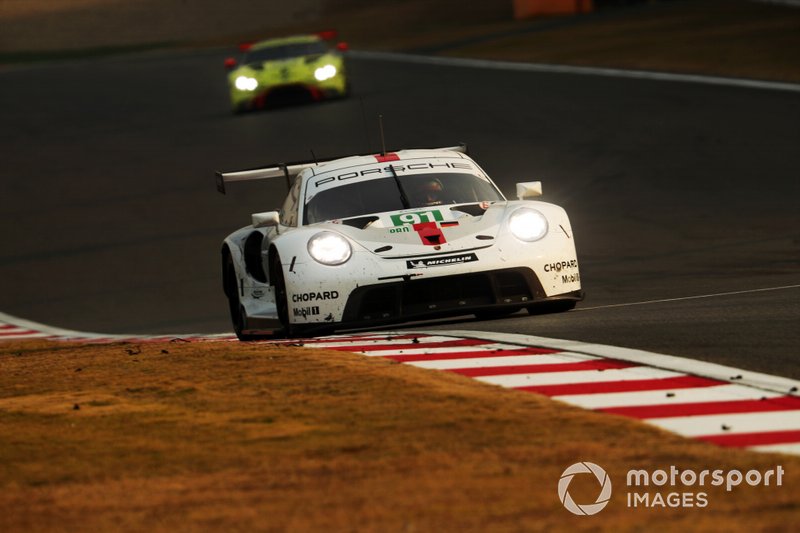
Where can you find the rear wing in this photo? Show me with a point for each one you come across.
(289, 170)
(276, 170)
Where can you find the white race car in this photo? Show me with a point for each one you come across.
(374, 239)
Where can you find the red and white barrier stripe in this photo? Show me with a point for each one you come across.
(13, 328)
(723, 405)
(718, 404)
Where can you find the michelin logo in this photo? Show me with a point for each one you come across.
(441, 261)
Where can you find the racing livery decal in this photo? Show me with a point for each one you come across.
(430, 233)
(305, 312)
(561, 265)
(442, 261)
(311, 296)
(418, 217)
(393, 169)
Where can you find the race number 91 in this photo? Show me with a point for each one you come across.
(417, 218)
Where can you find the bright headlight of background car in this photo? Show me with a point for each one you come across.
(325, 73)
(527, 224)
(329, 248)
(246, 83)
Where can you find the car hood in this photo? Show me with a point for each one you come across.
(431, 231)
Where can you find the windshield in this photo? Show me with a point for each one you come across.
(286, 51)
(383, 194)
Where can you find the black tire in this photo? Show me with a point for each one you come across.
(557, 306)
(282, 303)
(491, 314)
(238, 318)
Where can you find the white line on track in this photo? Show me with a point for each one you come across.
(566, 69)
(580, 376)
(663, 397)
(793, 449)
(511, 360)
(682, 298)
(652, 359)
(22, 335)
(729, 424)
(489, 347)
(382, 341)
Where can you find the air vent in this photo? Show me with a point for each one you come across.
(383, 249)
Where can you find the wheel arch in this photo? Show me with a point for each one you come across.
(273, 259)
(227, 265)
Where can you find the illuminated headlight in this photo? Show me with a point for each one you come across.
(527, 224)
(244, 83)
(329, 248)
(325, 73)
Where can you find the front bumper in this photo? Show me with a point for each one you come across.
(448, 295)
(288, 93)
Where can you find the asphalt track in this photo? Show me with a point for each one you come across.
(683, 196)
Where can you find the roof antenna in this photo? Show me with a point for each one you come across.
(383, 141)
(314, 156)
(366, 129)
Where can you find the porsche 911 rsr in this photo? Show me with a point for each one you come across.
(289, 69)
(375, 239)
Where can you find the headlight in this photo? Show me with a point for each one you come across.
(325, 73)
(527, 224)
(329, 248)
(245, 83)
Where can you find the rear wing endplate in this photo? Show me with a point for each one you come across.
(289, 170)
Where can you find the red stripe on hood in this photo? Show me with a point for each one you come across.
(429, 233)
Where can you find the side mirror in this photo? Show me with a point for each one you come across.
(230, 63)
(266, 220)
(342, 47)
(530, 189)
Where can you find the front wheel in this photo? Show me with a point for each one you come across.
(556, 306)
(281, 299)
(492, 314)
(238, 315)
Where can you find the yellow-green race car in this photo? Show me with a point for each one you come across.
(294, 69)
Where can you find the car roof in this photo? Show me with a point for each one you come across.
(388, 157)
(280, 41)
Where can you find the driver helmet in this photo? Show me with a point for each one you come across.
(431, 192)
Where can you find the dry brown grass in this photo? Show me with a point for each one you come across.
(228, 436)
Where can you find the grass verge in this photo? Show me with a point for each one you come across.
(180, 436)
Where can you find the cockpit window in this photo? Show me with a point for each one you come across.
(285, 51)
(389, 194)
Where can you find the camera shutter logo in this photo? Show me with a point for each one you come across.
(602, 498)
